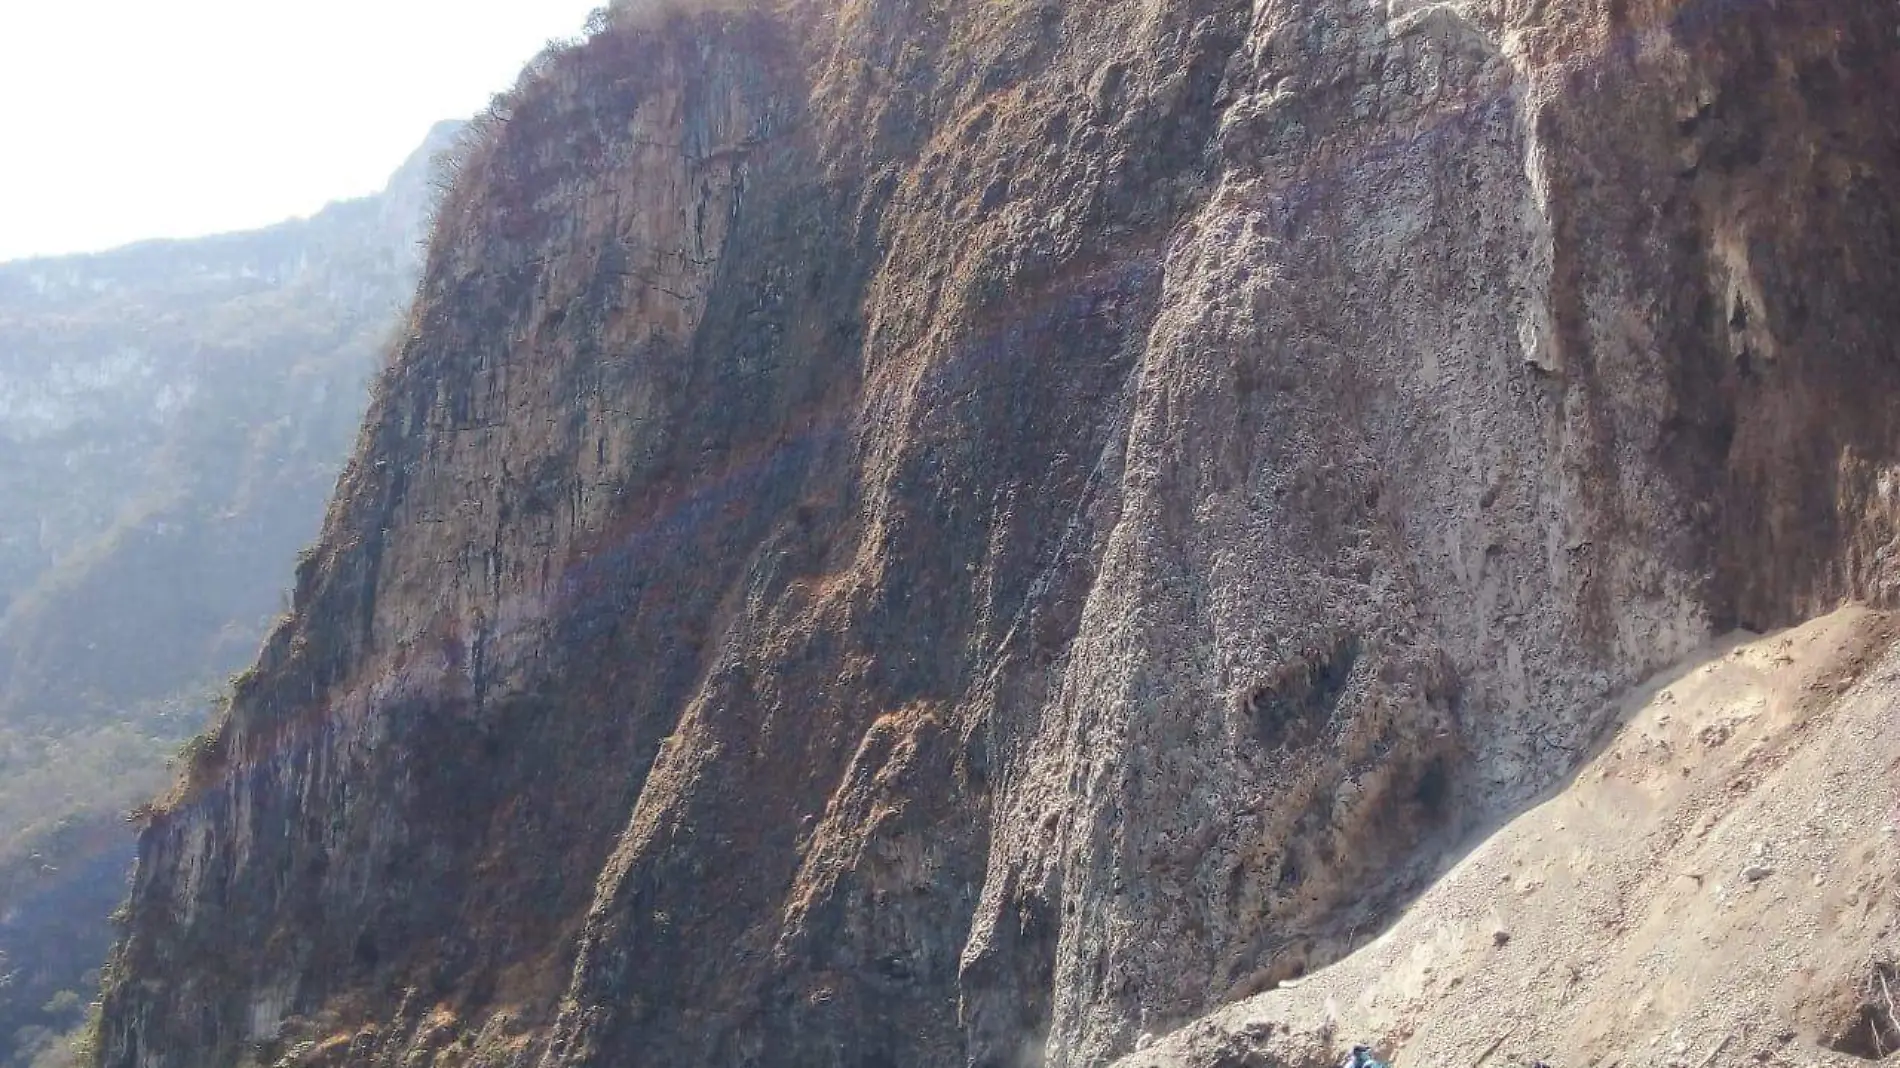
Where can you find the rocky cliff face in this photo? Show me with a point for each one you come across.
(959, 534)
(173, 416)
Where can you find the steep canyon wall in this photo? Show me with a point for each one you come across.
(958, 534)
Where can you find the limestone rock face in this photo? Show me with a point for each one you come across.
(964, 534)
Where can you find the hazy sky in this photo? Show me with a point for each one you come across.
(128, 119)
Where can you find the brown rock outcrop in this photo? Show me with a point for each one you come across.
(959, 534)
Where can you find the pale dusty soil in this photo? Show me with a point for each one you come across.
(1715, 886)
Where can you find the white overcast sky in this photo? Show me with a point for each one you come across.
(127, 119)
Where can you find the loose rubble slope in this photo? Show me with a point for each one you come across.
(1715, 886)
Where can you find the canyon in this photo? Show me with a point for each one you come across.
(1033, 533)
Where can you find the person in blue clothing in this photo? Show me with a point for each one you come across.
(1361, 1057)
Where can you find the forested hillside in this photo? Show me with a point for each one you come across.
(173, 416)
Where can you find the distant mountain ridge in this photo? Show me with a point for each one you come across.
(119, 371)
(173, 416)
(325, 243)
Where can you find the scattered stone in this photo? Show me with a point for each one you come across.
(1755, 873)
(1500, 937)
(1716, 1052)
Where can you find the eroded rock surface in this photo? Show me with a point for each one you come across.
(964, 534)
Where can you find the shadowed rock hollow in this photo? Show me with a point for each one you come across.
(961, 534)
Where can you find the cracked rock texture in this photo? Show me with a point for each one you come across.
(965, 533)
